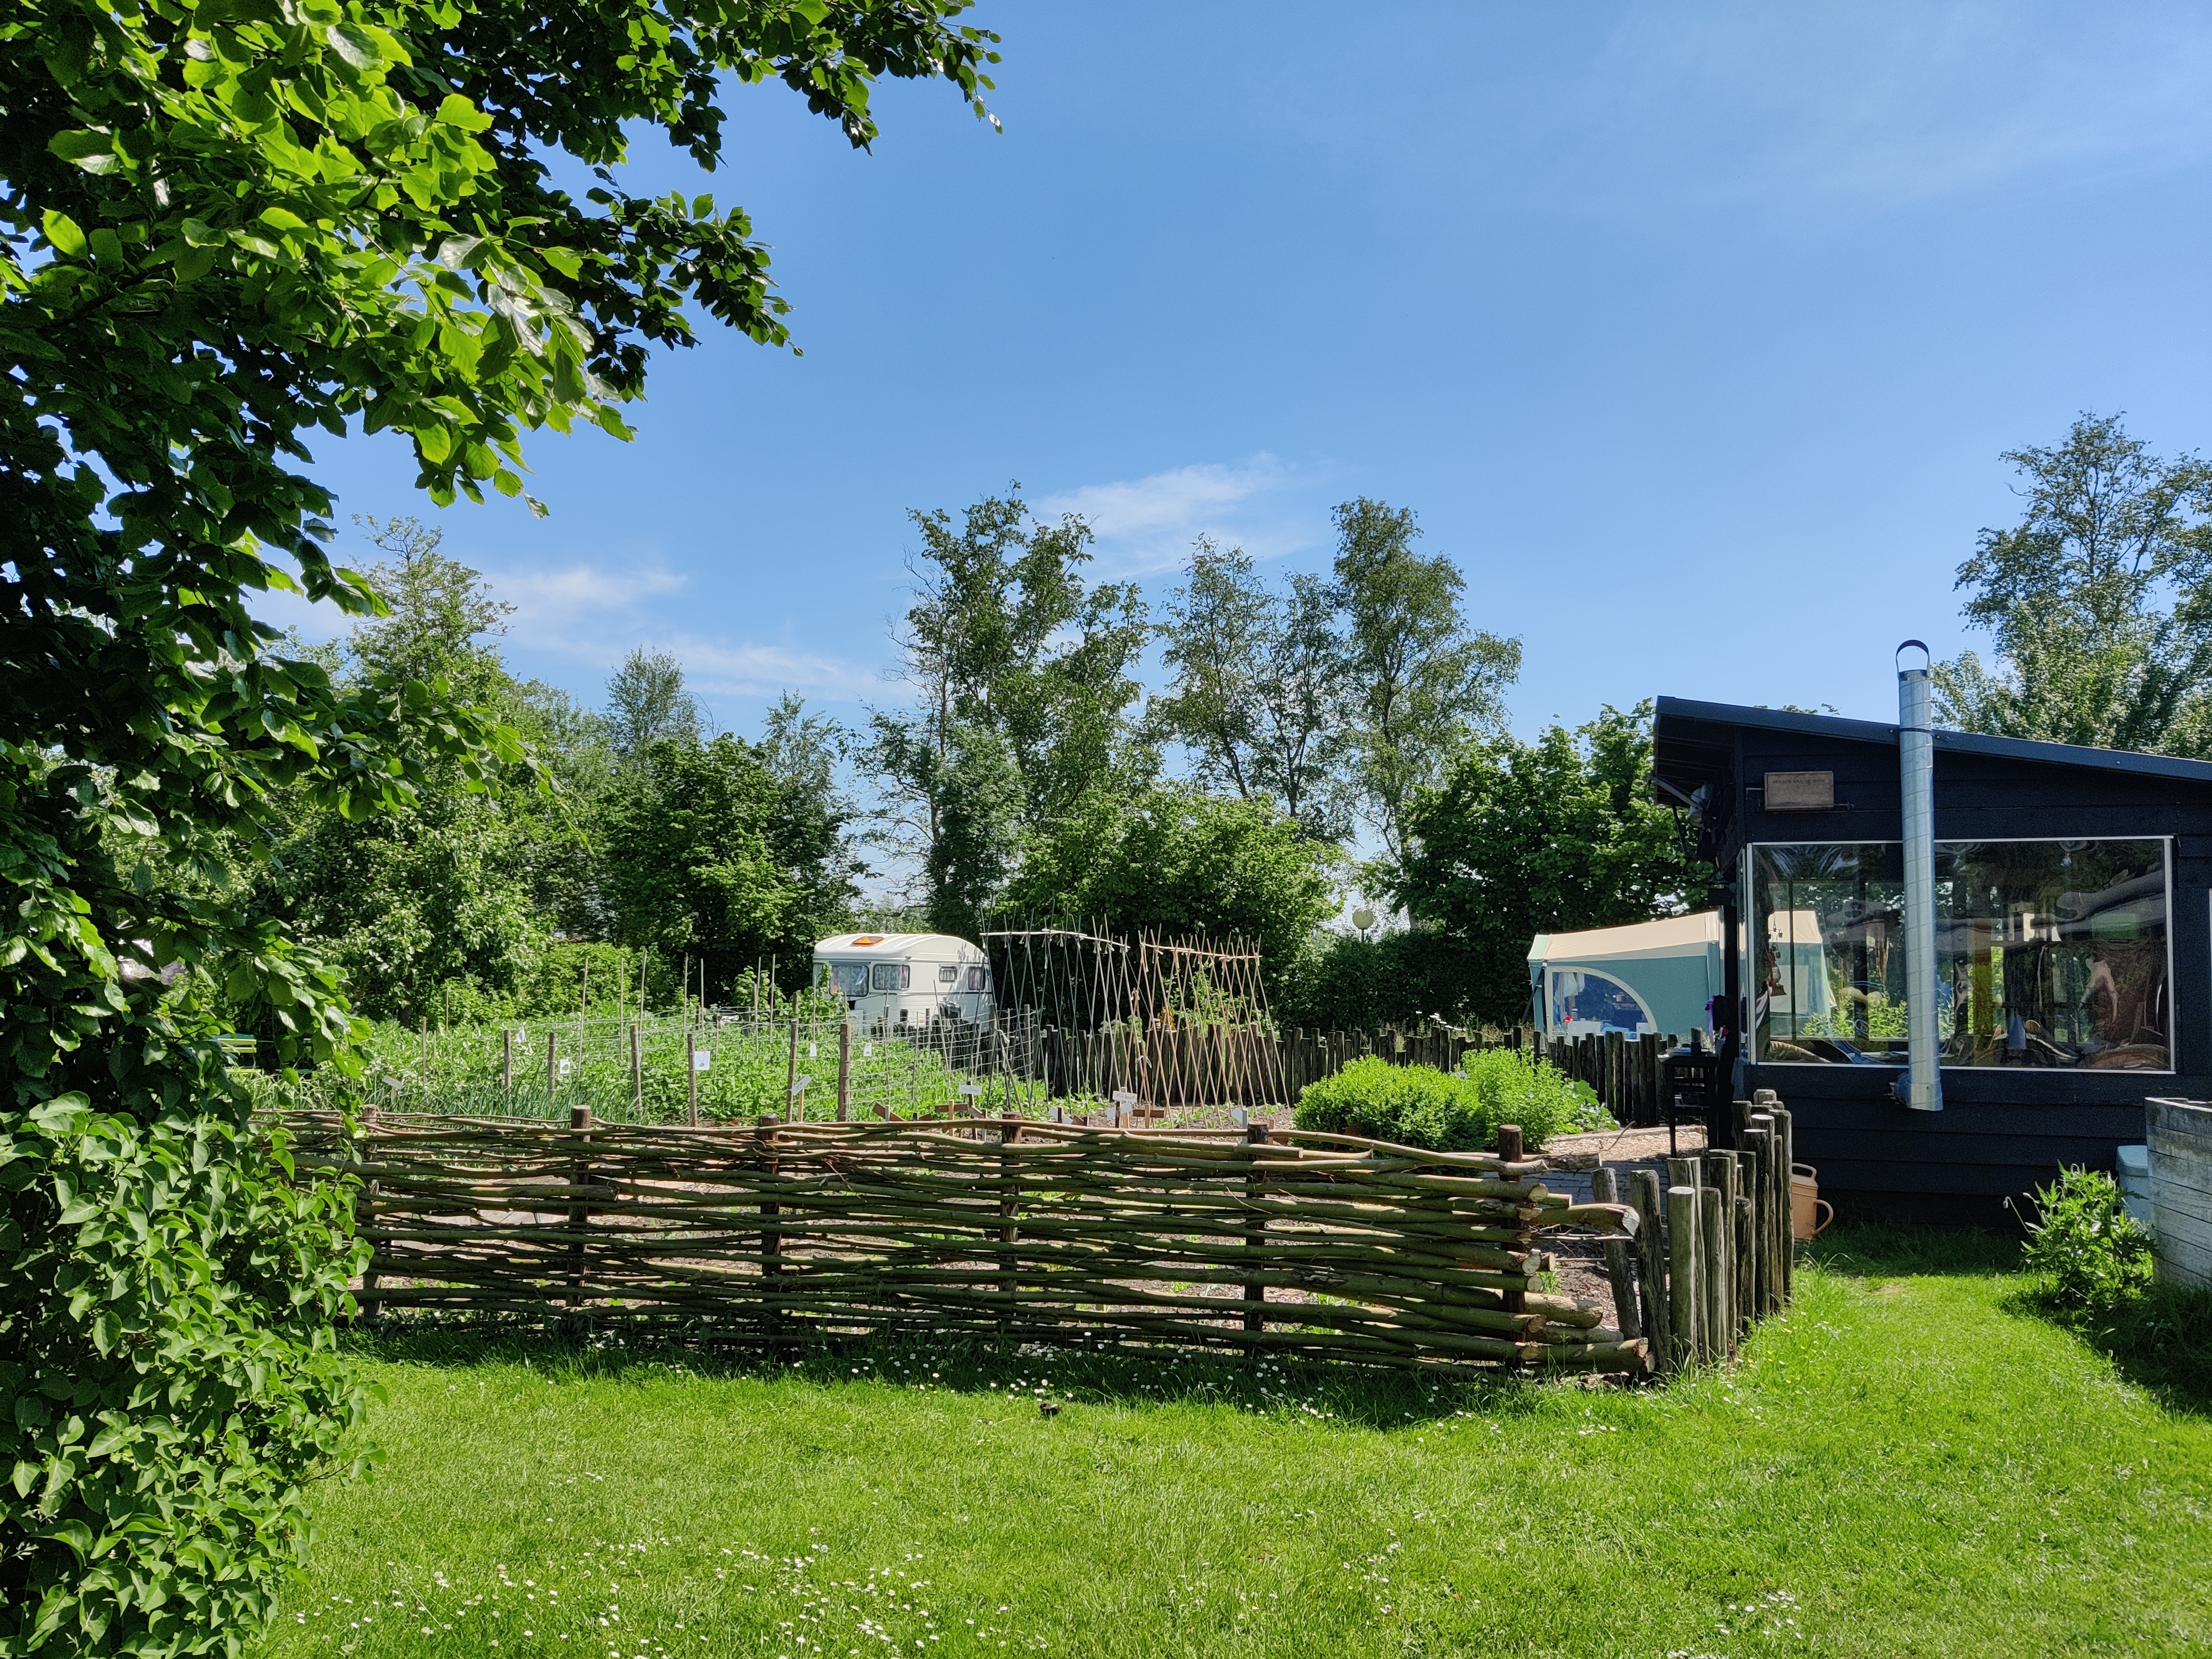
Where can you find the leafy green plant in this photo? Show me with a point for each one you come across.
(1447, 1111)
(1542, 1099)
(2089, 1253)
(224, 229)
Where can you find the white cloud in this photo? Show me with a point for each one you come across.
(1147, 525)
(745, 669)
(549, 603)
(596, 615)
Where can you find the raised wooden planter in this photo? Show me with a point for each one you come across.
(2180, 1136)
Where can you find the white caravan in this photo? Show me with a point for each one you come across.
(890, 980)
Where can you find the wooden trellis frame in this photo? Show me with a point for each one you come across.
(1178, 1020)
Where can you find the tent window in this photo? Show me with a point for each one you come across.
(1585, 1002)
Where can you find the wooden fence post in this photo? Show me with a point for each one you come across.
(771, 1247)
(364, 1218)
(1650, 1236)
(1757, 1146)
(1605, 1189)
(1010, 1188)
(552, 1070)
(1784, 1167)
(1682, 1292)
(507, 1067)
(1711, 1322)
(791, 1071)
(579, 1210)
(636, 1071)
(1255, 1239)
(691, 1079)
(845, 1072)
(1508, 1152)
(1721, 1173)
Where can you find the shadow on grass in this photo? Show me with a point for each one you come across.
(1126, 1374)
(2160, 1338)
(1887, 1250)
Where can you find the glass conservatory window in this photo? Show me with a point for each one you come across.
(1585, 1002)
(2048, 953)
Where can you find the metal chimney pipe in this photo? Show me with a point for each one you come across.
(1921, 1086)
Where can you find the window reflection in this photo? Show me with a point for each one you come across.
(2048, 953)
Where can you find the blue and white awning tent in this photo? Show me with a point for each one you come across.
(1647, 976)
(1663, 975)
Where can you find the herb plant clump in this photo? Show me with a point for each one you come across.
(1449, 1111)
(2089, 1254)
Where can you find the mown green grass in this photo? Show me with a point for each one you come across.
(1909, 1462)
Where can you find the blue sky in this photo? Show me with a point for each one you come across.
(1694, 333)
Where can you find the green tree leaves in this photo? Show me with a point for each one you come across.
(1179, 860)
(1421, 682)
(2099, 601)
(224, 228)
(1023, 673)
(1521, 839)
(707, 851)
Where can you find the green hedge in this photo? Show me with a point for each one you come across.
(1450, 1111)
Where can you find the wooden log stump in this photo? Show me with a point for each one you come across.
(1605, 1189)
(1684, 1291)
(1784, 1162)
(1712, 1328)
(1650, 1245)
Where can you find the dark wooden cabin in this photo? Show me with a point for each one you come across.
(2073, 946)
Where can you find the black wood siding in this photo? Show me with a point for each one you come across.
(2005, 1130)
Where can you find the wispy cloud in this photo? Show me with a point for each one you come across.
(569, 608)
(741, 669)
(596, 615)
(1145, 526)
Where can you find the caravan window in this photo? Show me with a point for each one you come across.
(2048, 953)
(979, 979)
(1585, 1002)
(891, 975)
(850, 978)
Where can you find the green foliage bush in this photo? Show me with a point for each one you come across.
(1453, 1112)
(169, 1373)
(2089, 1254)
(227, 229)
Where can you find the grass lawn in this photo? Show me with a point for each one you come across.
(1909, 1462)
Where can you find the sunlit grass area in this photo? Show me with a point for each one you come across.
(1911, 1461)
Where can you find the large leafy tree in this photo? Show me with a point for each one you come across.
(440, 890)
(1419, 681)
(225, 226)
(2099, 602)
(1524, 838)
(707, 852)
(647, 704)
(1259, 688)
(1181, 860)
(1023, 674)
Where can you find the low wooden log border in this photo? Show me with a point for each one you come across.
(789, 1232)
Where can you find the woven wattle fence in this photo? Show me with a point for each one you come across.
(791, 1232)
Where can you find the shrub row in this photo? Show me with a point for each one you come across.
(1451, 1111)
